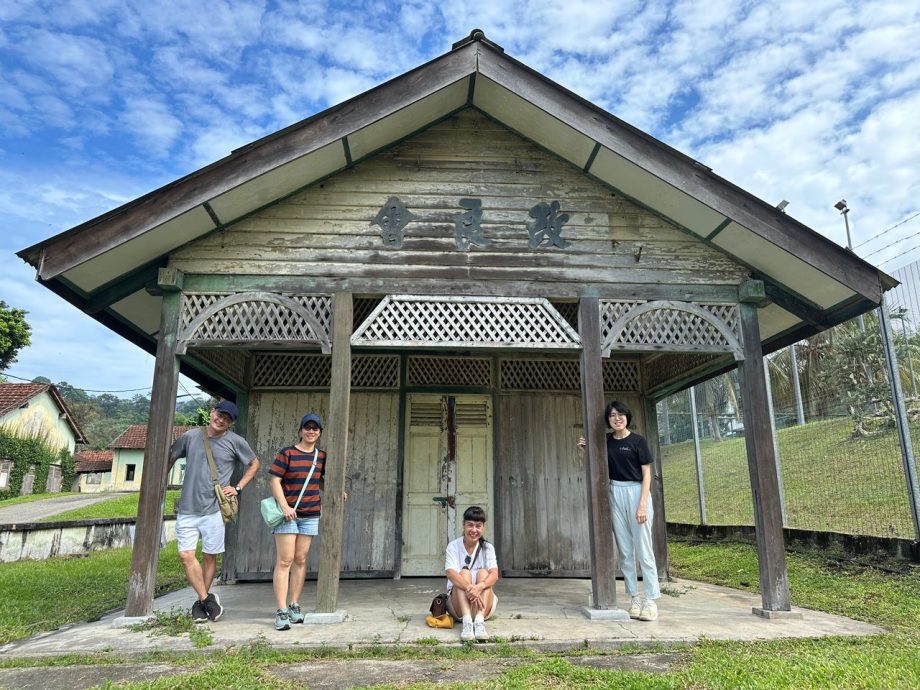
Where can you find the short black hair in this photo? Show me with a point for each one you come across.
(474, 514)
(616, 405)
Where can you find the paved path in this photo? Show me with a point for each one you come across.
(38, 510)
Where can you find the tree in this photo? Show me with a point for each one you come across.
(15, 334)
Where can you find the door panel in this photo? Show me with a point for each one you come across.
(448, 467)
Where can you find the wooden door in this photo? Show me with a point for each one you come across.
(448, 467)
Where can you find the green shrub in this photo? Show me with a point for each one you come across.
(33, 451)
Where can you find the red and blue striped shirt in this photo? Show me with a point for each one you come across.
(293, 465)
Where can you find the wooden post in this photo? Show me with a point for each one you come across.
(768, 519)
(144, 558)
(327, 589)
(659, 521)
(597, 478)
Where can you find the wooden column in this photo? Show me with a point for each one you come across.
(327, 590)
(144, 559)
(659, 523)
(758, 438)
(597, 478)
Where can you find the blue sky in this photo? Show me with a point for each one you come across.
(104, 100)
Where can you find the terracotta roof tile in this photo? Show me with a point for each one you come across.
(135, 436)
(93, 461)
(13, 395)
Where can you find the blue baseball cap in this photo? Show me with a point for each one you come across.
(312, 417)
(228, 408)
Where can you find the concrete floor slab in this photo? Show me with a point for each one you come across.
(539, 613)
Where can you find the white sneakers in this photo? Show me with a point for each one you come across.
(467, 634)
(479, 630)
(649, 611)
(635, 607)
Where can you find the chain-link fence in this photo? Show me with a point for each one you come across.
(840, 460)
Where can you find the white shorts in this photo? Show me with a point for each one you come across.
(458, 617)
(209, 528)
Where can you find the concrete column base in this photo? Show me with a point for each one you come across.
(776, 615)
(317, 618)
(605, 614)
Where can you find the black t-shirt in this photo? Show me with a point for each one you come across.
(625, 457)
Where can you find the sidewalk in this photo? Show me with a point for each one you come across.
(540, 613)
(33, 511)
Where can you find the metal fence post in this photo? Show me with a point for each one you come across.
(779, 466)
(701, 494)
(900, 416)
(797, 388)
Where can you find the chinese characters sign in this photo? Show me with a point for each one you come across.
(545, 228)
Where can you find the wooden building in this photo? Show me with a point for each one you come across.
(456, 269)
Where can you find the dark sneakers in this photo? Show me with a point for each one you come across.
(212, 607)
(199, 615)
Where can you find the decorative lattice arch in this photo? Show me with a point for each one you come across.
(254, 318)
(664, 325)
(466, 322)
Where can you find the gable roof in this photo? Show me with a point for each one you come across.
(135, 436)
(93, 461)
(103, 265)
(15, 395)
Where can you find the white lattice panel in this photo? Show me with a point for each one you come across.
(449, 371)
(621, 375)
(303, 370)
(680, 326)
(244, 318)
(401, 321)
(540, 375)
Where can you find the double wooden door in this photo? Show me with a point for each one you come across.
(448, 467)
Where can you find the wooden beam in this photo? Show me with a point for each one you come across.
(597, 478)
(197, 282)
(144, 559)
(758, 439)
(123, 286)
(327, 588)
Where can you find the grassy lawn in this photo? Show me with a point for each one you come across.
(44, 595)
(831, 481)
(887, 599)
(123, 505)
(34, 497)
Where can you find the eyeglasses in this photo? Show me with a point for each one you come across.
(311, 428)
(467, 563)
(617, 415)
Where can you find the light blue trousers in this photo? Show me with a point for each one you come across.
(633, 538)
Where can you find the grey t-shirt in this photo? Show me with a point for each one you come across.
(197, 489)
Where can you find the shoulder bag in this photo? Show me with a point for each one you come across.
(271, 512)
(229, 505)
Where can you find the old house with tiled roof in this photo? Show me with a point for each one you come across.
(128, 458)
(456, 269)
(37, 410)
(94, 471)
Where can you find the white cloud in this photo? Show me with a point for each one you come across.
(152, 123)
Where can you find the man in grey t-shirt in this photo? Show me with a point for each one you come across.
(197, 512)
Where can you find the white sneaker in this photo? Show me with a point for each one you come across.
(467, 634)
(479, 630)
(635, 607)
(649, 611)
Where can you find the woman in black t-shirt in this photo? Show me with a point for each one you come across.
(629, 465)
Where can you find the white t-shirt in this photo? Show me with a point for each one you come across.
(456, 558)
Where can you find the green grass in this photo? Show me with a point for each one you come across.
(121, 506)
(5, 503)
(831, 481)
(860, 591)
(44, 595)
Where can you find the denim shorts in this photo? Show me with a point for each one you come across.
(306, 526)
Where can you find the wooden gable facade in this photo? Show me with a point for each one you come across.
(456, 269)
